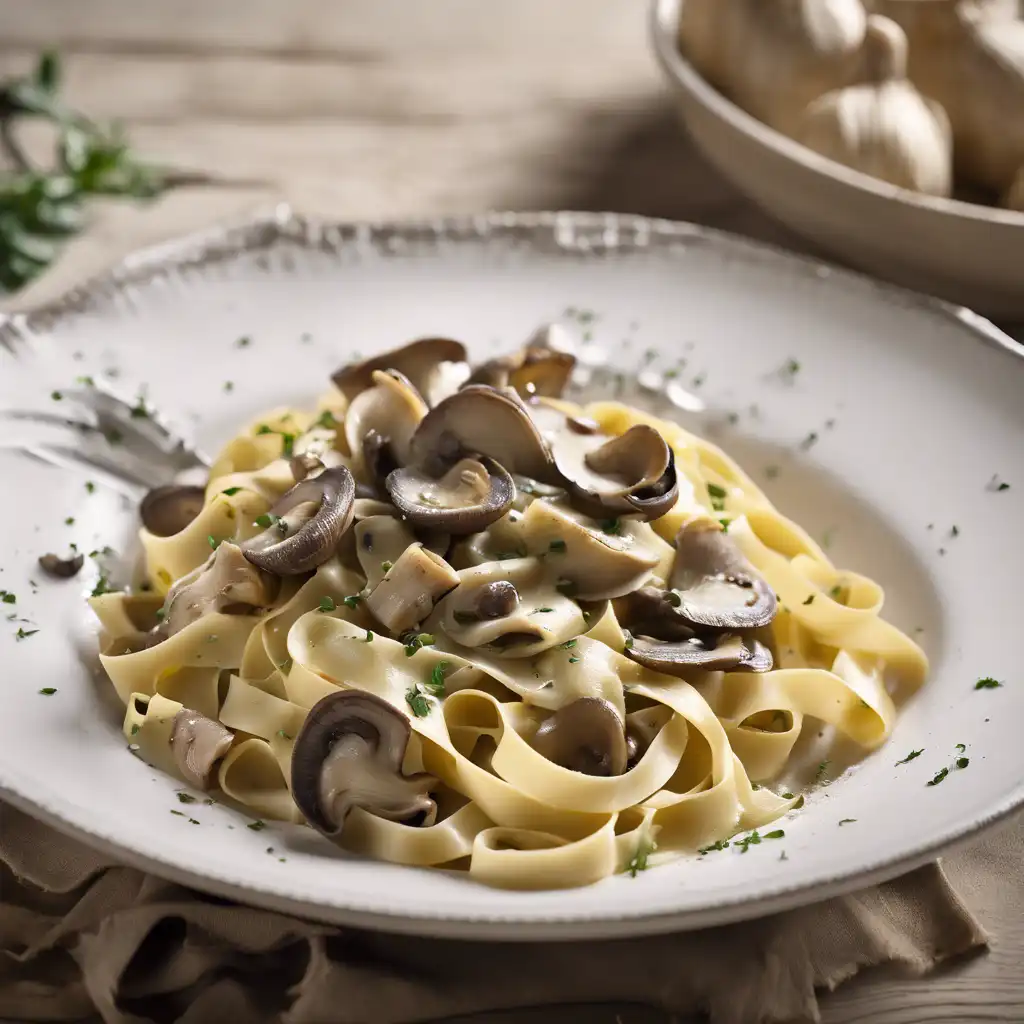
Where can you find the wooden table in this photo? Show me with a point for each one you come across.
(373, 108)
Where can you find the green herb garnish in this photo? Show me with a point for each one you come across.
(911, 756)
(7, 597)
(70, 521)
(718, 496)
(23, 633)
(244, 342)
(536, 611)
(847, 821)
(186, 798)
(283, 734)
(90, 487)
(939, 776)
(962, 762)
(326, 420)
(567, 644)
(988, 683)
(352, 600)
(386, 566)
(327, 604)
(776, 834)
(56, 396)
(722, 844)
(231, 491)
(48, 691)
(628, 644)
(257, 826)
(266, 520)
(368, 639)
(754, 839)
(418, 702)
(819, 775)
(645, 846)
(213, 542)
(810, 600)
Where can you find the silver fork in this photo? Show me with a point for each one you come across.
(93, 425)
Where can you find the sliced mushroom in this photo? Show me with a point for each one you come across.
(197, 744)
(481, 420)
(435, 366)
(633, 473)
(714, 584)
(62, 568)
(725, 652)
(602, 559)
(468, 498)
(585, 736)
(307, 524)
(379, 459)
(349, 753)
(226, 582)
(532, 371)
(314, 451)
(392, 408)
(410, 589)
(511, 609)
(167, 510)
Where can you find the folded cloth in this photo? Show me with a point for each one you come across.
(83, 936)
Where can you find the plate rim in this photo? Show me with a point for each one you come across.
(582, 232)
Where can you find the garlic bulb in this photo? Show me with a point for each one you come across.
(969, 55)
(773, 57)
(883, 127)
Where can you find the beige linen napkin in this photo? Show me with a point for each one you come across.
(82, 935)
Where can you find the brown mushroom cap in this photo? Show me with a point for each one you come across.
(328, 500)
(419, 361)
(480, 420)
(348, 754)
(167, 510)
(633, 473)
(532, 371)
(585, 736)
(392, 409)
(714, 585)
(467, 499)
(62, 568)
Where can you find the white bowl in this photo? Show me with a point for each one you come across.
(964, 252)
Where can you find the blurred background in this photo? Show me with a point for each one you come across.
(366, 109)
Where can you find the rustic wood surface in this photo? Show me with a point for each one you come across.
(372, 108)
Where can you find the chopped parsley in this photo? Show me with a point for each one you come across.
(86, 381)
(911, 756)
(48, 691)
(229, 385)
(938, 777)
(418, 702)
(722, 844)
(718, 496)
(836, 592)
(7, 597)
(56, 396)
(573, 661)
(351, 601)
(567, 644)
(776, 834)
(257, 826)
(283, 734)
(536, 611)
(988, 683)
(213, 542)
(613, 527)
(810, 600)
(138, 410)
(70, 521)
(368, 639)
(90, 487)
(628, 645)
(822, 771)
(790, 369)
(231, 491)
(23, 633)
(327, 604)
(244, 342)
(810, 440)
(724, 524)
(645, 846)
(414, 641)
(186, 798)
(386, 566)
(995, 484)
(962, 762)
(557, 545)
(954, 530)
(744, 844)
(267, 520)
(961, 747)
(436, 685)
(847, 821)
(326, 420)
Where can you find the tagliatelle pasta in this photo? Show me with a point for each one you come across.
(477, 627)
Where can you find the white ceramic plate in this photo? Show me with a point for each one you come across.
(915, 407)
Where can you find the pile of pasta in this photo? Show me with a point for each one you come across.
(507, 815)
